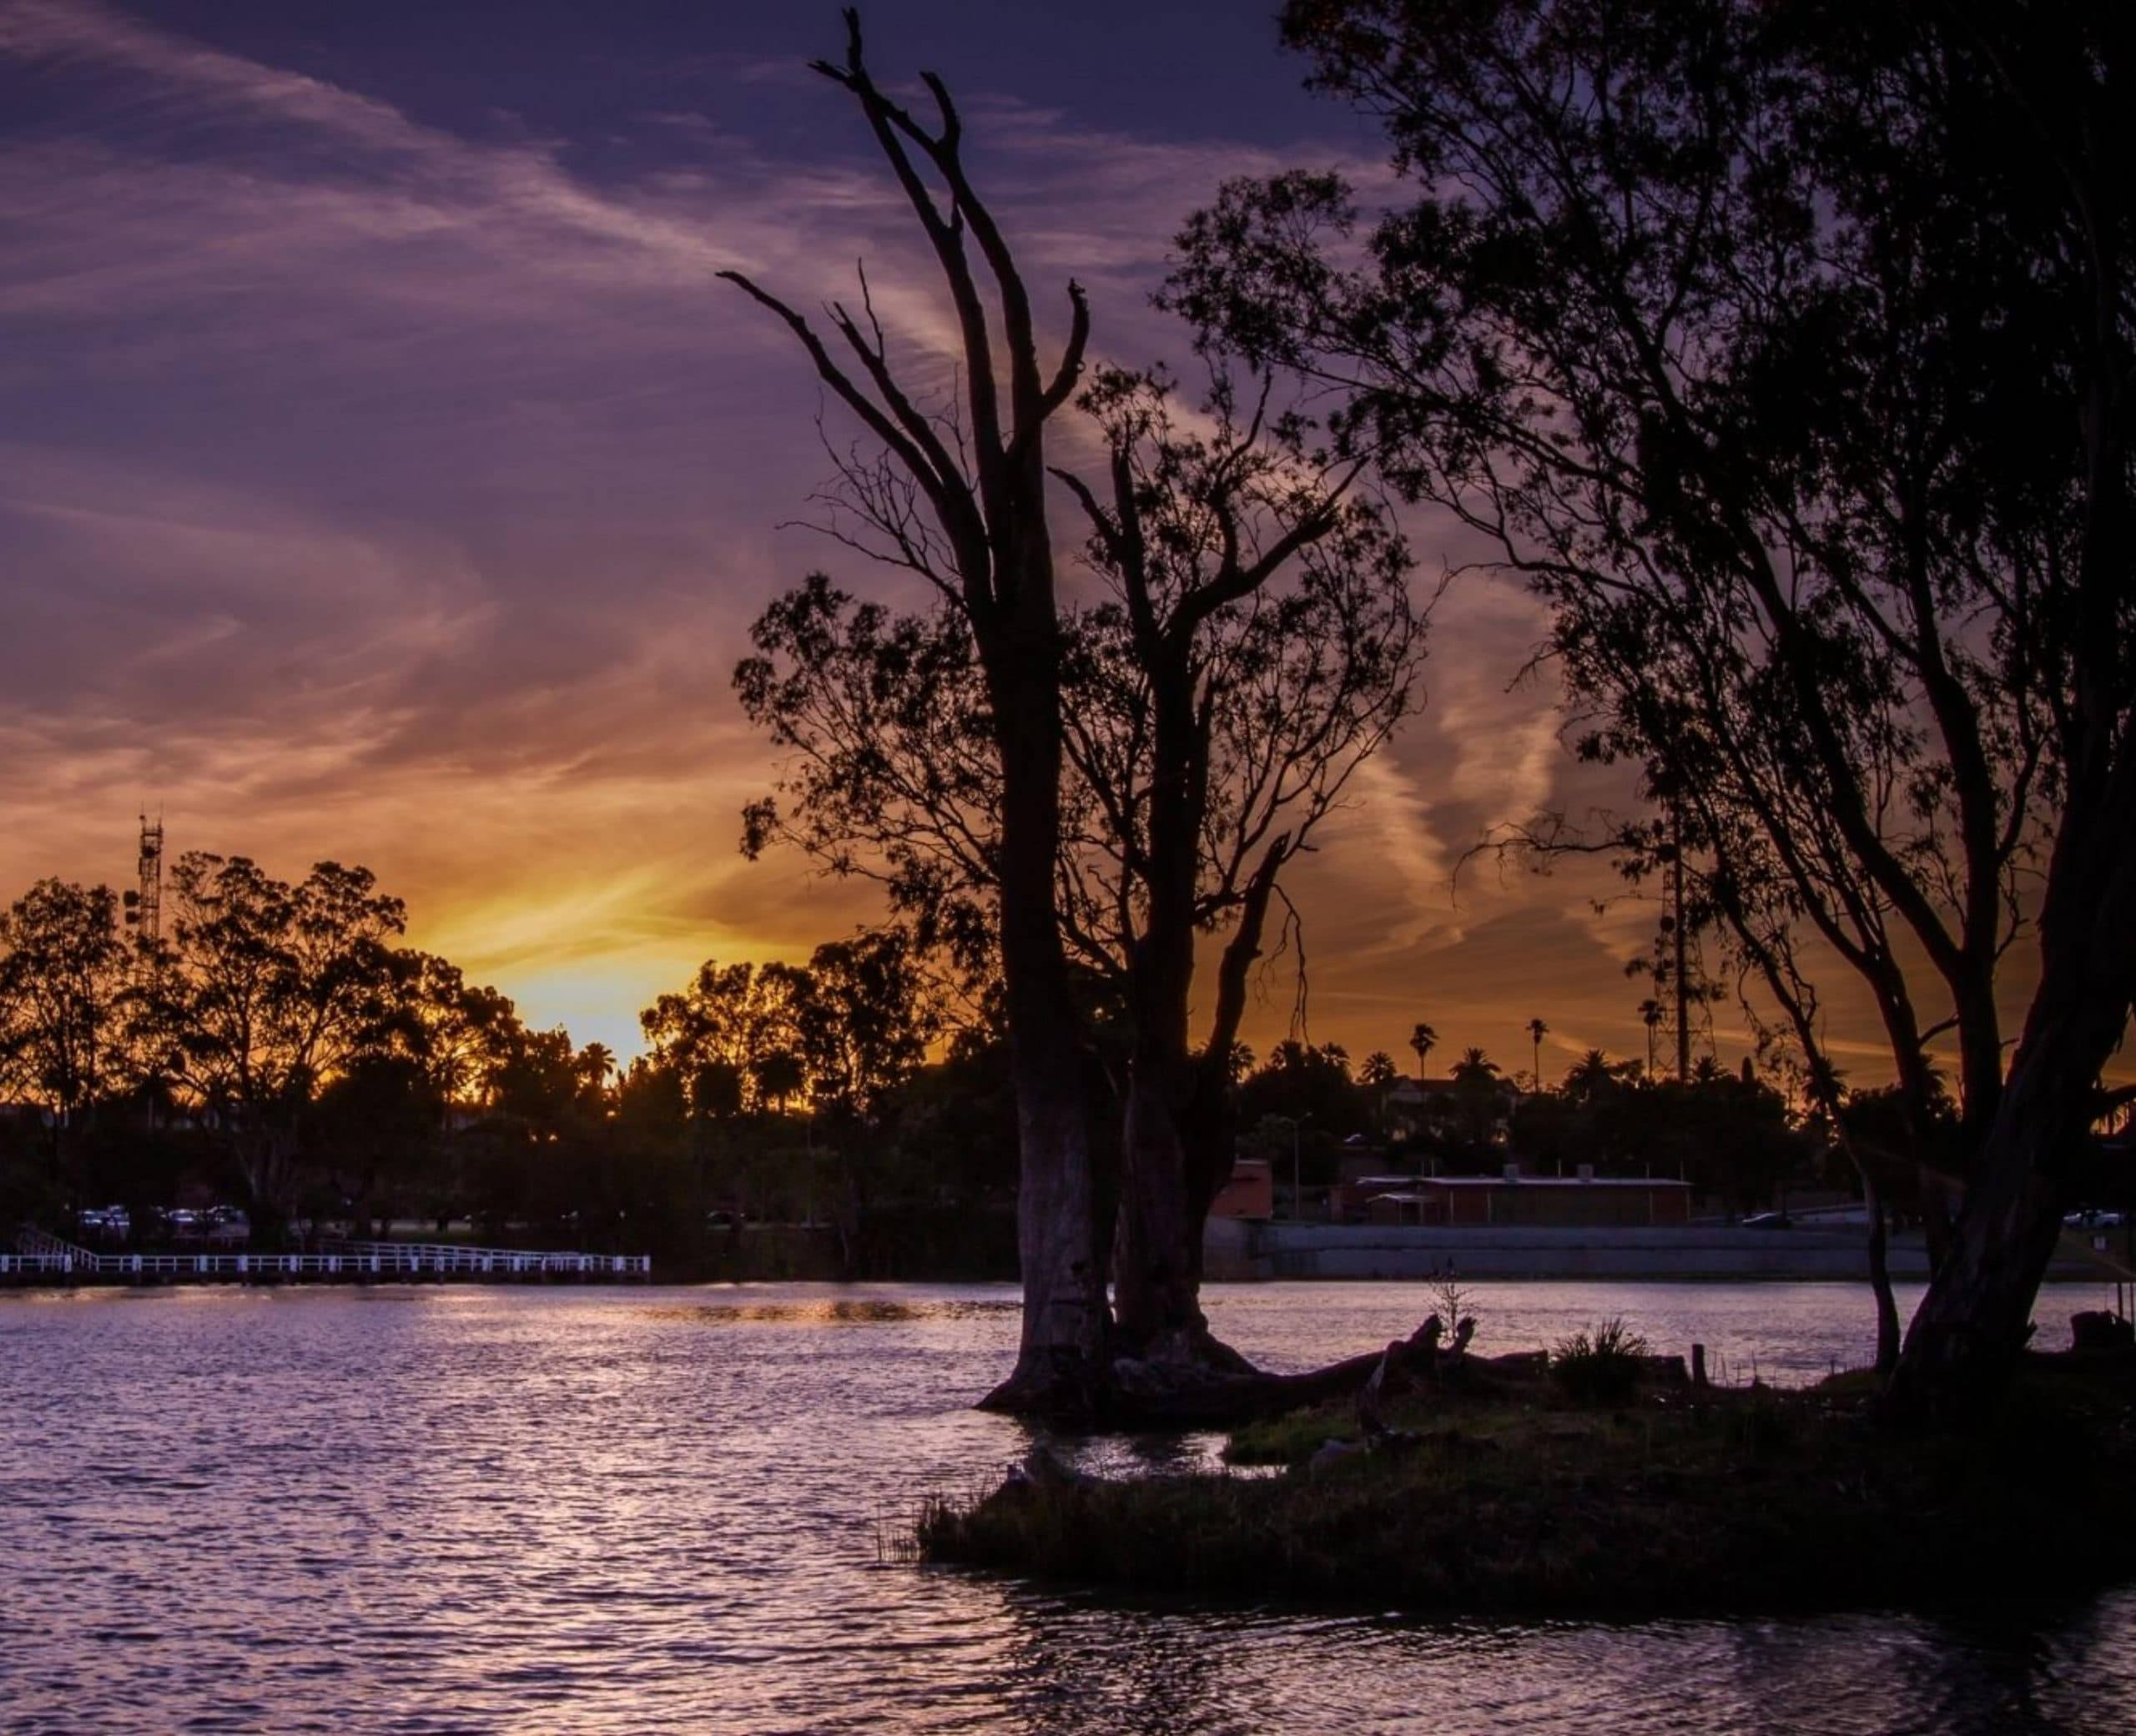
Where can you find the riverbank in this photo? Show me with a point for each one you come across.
(1499, 1489)
(1250, 1250)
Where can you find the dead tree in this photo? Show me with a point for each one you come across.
(982, 483)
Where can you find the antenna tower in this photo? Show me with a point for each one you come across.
(144, 908)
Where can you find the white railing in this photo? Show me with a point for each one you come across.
(46, 1257)
(43, 1266)
(454, 1257)
(28, 1240)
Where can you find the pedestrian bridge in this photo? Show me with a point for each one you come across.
(41, 1258)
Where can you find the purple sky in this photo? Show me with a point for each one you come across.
(384, 475)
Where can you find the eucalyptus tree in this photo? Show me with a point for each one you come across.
(1250, 641)
(739, 1027)
(964, 485)
(1786, 351)
(65, 986)
(846, 1030)
(1256, 640)
(263, 994)
(1256, 644)
(459, 1036)
(872, 1011)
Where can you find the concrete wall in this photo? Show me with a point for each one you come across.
(1237, 1251)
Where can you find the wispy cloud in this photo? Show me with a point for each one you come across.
(376, 489)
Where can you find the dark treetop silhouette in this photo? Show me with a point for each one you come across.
(1258, 641)
(984, 486)
(1786, 350)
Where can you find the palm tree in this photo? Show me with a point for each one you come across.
(1423, 1040)
(1476, 1092)
(1537, 1030)
(1592, 1078)
(1377, 1076)
(1650, 1012)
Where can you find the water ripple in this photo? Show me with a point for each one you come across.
(577, 1510)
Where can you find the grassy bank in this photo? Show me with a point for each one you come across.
(1502, 1491)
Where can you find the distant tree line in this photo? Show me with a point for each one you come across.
(1738, 1138)
(280, 1049)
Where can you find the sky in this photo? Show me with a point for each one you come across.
(385, 477)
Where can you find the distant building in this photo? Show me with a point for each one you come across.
(1515, 1200)
(1347, 1199)
(1251, 1192)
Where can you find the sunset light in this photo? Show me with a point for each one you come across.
(955, 865)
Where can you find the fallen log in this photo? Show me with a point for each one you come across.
(1150, 1395)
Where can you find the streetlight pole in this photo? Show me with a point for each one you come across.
(1297, 1193)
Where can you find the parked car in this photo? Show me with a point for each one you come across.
(109, 1223)
(225, 1223)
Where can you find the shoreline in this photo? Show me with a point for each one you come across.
(1505, 1491)
(1245, 1250)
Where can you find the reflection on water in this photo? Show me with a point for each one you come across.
(477, 1509)
(840, 1311)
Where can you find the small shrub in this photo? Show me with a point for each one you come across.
(1601, 1368)
(1452, 1300)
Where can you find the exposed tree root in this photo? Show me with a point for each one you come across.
(1206, 1384)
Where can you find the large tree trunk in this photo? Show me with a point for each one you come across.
(1156, 1304)
(1975, 1318)
(1966, 1334)
(1155, 1280)
(1178, 1137)
(1061, 1359)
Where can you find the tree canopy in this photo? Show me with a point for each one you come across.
(1785, 350)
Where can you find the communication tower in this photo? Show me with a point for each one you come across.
(145, 907)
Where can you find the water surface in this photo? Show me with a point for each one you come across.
(520, 1509)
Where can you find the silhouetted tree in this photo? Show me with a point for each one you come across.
(64, 983)
(1593, 1077)
(870, 1013)
(966, 500)
(263, 992)
(1422, 1039)
(1257, 642)
(737, 1026)
(1786, 349)
(374, 1131)
(1307, 1083)
(1479, 1096)
(1650, 1014)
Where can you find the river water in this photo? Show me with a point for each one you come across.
(549, 1510)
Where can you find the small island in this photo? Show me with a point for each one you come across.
(1595, 1479)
